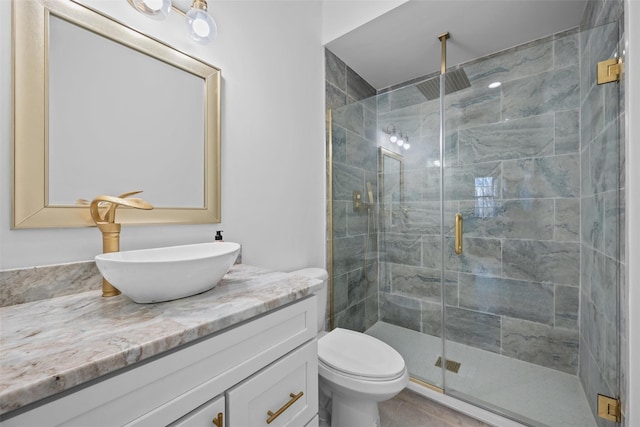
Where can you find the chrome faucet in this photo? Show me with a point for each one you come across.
(110, 229)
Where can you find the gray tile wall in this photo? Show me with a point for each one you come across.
(354, 164)
(603, 349)
(512, 168)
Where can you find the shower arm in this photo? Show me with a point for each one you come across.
(443, 57)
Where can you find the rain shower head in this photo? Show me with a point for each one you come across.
(454, 81)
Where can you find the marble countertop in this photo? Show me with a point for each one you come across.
(52, 345)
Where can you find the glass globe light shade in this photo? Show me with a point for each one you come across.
(393, 138)
(406, 146)
(400, 142)
(155, 9)
(200, 25)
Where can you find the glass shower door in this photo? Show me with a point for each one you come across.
(532, 330)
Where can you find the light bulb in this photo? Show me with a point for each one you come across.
(406, 146)
(400, 142)
(393, 138)
(154, 5)
(155, 9)
(200, 25)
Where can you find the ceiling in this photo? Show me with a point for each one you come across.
(403, 43)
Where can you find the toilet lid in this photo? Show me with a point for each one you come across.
(358, 354)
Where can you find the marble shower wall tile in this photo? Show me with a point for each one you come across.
(401, 311)
(473, 328)
(472, 107)
(543, 345)
(566, 50)
(547, 177)
(335, 70)
(510, 219)
(480, 256)
(554, 262)
(461, 183)
(402, 249)
(513, 139)
(567, 307)
(512, 65)
(555, 90)
(567, 131)
(423, 283)
(357, 87)
(567, 225)
(507, 297)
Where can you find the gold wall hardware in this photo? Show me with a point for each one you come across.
(610, 70)
(426, 384)
(109, 228)
(274, 415)
(330, 213)
(458, 234)
(217, 421)
(443, 53)
(358, 204)
(609, 408)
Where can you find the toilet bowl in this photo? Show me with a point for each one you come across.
(356, 371)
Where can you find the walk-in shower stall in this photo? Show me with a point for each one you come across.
(477, 231)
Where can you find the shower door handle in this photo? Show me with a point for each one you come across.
(458, 234)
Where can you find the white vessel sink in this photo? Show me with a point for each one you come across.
(163, 274)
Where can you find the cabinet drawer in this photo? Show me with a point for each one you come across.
(283, 394)
(208, 415)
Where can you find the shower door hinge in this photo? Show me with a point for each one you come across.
(609, 70)
(609, 408)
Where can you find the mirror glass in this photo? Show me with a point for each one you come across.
(390, 183)
(391, 170)
(116, 112)
(153, 138)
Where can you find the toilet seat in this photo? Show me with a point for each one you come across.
(350, 353)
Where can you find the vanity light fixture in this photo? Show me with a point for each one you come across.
(397, 137)
(393, 134)
(154, 9)
(200, 25)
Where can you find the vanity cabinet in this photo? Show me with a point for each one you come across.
(211, 413)
(285, 394)
(243, 373)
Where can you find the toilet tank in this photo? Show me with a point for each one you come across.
(320, 274)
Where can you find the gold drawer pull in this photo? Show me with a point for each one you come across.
(217, 421)
(273, 416)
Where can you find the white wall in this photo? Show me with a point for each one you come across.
(273, 167)
(632, 131)
(342, 16)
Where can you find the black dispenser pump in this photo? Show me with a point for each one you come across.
(218, 236)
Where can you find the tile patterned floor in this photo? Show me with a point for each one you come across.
(408, 409)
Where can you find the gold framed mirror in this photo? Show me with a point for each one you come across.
(110, 138)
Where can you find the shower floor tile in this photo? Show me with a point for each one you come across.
(549, 397)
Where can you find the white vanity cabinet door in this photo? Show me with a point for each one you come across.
(283, 394)
(208, 415)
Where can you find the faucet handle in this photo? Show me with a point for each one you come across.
(114, 202)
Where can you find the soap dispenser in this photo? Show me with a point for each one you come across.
(218, 237)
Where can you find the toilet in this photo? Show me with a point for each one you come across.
(356, 371)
